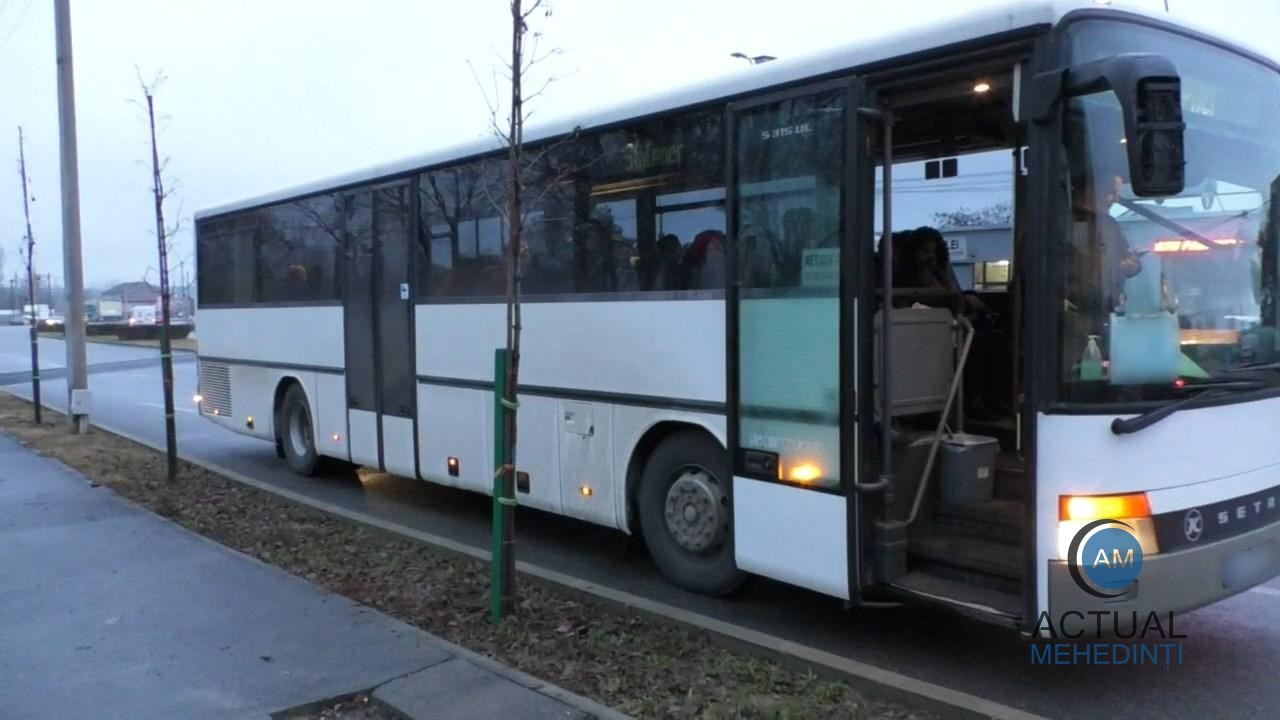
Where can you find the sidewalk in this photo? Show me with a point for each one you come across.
(108, 611)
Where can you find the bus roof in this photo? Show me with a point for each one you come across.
(986, 22)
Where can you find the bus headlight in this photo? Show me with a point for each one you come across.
(1076, 511)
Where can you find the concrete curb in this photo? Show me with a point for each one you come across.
(555, 692)
(865, 677)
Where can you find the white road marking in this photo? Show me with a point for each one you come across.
(161, 406)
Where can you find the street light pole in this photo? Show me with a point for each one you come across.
(72, 270)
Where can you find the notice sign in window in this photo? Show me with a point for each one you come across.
(820, 267)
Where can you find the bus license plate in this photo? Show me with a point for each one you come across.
(1248, 567)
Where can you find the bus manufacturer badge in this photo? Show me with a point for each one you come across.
(1193, 524)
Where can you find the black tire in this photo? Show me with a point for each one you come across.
(295, 430)
(711, 570)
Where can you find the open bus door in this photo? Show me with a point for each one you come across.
(792, 327)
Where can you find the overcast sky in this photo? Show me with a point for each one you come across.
(263, 94)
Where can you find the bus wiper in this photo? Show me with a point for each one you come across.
(1252, 366)
(1167, 223)
(1206, 390)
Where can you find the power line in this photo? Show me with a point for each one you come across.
(16, 23)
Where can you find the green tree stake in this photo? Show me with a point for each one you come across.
(497, 581)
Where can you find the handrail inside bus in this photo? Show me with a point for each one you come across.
(956, 379)
(885, 482)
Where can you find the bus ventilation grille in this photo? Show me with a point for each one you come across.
(215, 388)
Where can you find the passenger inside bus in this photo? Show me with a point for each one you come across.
(704, 262)
(1099, 262)
(668, 263)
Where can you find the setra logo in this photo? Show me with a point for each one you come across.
(1104, 558)
(1193, 525)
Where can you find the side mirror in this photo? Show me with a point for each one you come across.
(1150, 94)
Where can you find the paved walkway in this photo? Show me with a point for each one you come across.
(109, 611)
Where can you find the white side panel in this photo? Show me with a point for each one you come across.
(793, 535)
(252, 393)
(671, 349)
(308, 336)
(1193, 457)
(363, 433)
(330, 413)
(397, 445)
(585, 433)
(253, 396)
(451, 423)
(536, 454)
(458, 422)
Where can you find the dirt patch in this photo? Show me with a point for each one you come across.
(625, 660)
(360, 707)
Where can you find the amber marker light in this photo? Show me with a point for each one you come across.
(1099, 507)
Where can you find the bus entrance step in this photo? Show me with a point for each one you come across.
(970, 599)
(998, 520)
(968, 553)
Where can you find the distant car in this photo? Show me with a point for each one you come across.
(143, 315)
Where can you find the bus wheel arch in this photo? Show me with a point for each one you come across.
(677, 495)
(296, 445)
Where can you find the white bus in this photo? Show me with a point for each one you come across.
(703, 294)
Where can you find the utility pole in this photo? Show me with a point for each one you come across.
(72, 270)
(31, 279)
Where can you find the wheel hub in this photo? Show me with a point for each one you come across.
(300, 431)
(695, 510)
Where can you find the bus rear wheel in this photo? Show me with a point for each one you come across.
(685, 515)
(294, 428)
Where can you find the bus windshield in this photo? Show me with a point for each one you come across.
(1162, 290)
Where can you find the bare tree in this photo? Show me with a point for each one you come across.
(29, 257)
(163, 233)
(990, 216)
(512, 209)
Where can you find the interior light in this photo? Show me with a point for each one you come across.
(451, 463)
(1178, 246)
(805, 472)
(1124, 141)
(248, 422)
(1101, 2)
(1098, 507)
(586, 491)
(197, 398)
(337, 437)
(982, 87)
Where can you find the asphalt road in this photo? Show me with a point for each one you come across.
(1228, 659)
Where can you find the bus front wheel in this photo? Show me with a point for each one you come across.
(685, 514)
(294, 428)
